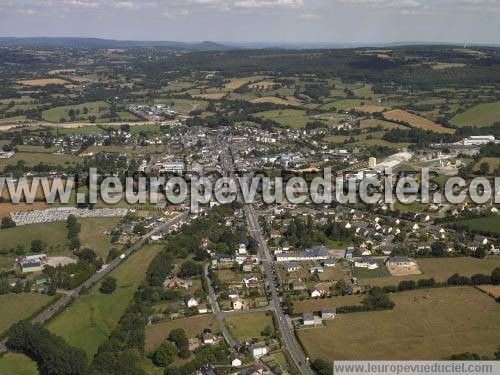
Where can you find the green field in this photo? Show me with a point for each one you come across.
(194, 326)
(16, 307)
(425, 325)
(294, 118)
(363, 273)
(247, 326)
(88, 322)
(489, 224)
(53, 234)
(183, 106)
(17, 364)
(33, 158)
(480, 115)
(96, 109)
(316, 304)
(92, 235)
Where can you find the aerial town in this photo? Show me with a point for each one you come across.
(246, 287)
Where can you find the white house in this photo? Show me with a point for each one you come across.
(368, 263)
(327, 314)
(242, 249)
(192, 302)
(235, 360)
(208, 338)
(258, 350)
(202, 308)
(315, 293)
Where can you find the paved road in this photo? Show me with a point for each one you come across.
(70, 295)
(219, 314)
(287, 333)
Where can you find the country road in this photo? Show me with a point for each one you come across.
(217, 311)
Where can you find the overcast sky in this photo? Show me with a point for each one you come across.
(342, 21)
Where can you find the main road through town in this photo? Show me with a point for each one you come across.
(287, 334)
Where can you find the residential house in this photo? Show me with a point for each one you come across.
(258, 350)
(291, 267)
(208, 338)
(235, 360)
(401, 261)
(192, 302)
(251, 282)
(308, 319)
(202, 308)
(242, 249)
(237, 303)
(247, 265)
(368, 263)
(316, 269)
(329, 263)
(298, 285)
(327, 314)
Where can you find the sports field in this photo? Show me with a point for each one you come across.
(424, 325)
(480, 115)
(90, 319)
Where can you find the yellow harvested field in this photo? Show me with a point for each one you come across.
(313, 305)
(211, 96)
(275, 100)
(263, 85)
(235, 84)
(430, 324)
(442, 66)
(44, 82)
(493, 290)
(399, 115)
(7, 208)
(370, 108)
(59, 71)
